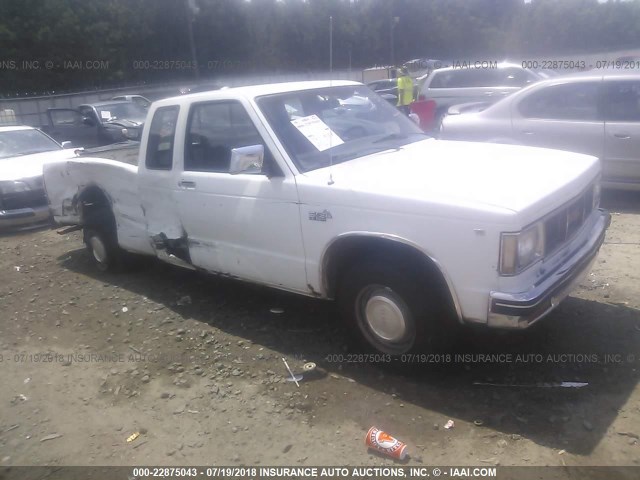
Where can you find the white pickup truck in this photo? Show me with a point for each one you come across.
(324, 189)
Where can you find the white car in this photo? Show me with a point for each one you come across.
(411, 235)
(23, 152)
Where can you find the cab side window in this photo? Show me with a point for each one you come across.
(162, 138)
(216, 128)
(60, 117)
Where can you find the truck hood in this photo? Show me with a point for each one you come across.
(29, 166)
(506, 179)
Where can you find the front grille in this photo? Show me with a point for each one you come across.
(28, 199)
(563, 224)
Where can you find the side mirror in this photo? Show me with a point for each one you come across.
(66, 144)
(89, 122)
(246, 159)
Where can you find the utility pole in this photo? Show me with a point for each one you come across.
(331, 46)
(192, 10)
(392, 25)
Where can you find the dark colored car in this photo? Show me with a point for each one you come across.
(388, 89)
(96, 124)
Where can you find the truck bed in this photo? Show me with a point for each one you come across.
(68, 180)
(125, 152)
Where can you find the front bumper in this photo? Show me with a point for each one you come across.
(24, 217)
(520, 310)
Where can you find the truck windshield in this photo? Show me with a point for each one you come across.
(121, 111)
(332, 125)
(15, 143)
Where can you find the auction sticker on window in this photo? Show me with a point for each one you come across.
(317, 132)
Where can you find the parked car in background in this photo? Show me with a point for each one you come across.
(23, 152)
(388, 85)
(594, 112)
(388, 89)
(96, 124)
(139, 100)
(453, 85)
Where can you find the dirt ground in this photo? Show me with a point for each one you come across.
(194, 364)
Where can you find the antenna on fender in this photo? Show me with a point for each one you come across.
(330, 85)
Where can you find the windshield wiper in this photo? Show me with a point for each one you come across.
(359, 153)
(397, 136)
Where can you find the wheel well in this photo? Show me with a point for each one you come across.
(95, 208)
(346, 251)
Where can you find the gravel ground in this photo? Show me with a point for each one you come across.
(193, 364)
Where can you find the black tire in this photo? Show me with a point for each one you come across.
(392, 308)
(103, 249)
(101, 239)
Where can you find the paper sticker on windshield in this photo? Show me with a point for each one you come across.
(105, 115)
(317, 132)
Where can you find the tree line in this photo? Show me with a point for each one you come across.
(70, 45)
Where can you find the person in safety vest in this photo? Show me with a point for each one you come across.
(405, 90)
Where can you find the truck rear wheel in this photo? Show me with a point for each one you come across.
(389, 308)
(104, 251)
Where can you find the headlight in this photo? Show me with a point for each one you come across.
(13, 187)
(521, 250)
(130, 134)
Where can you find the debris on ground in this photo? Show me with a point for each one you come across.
(294, 378)
(132, 437)
(449, 425)
(382, 442)
(53, 436)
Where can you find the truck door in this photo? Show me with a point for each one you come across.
(157, 175)
(247, 224)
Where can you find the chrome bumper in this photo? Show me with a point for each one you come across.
(24, 217)
(520, 310)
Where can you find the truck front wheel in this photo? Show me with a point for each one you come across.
(389, 308)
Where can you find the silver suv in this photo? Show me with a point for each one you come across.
(485, 83)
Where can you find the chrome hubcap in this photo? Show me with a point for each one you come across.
(98, 248)
(385, 318)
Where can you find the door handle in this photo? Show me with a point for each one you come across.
(622, 136)
(527, 132)
(488, 94)
(187, 185)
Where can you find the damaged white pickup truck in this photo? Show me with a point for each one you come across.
(324, 189)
